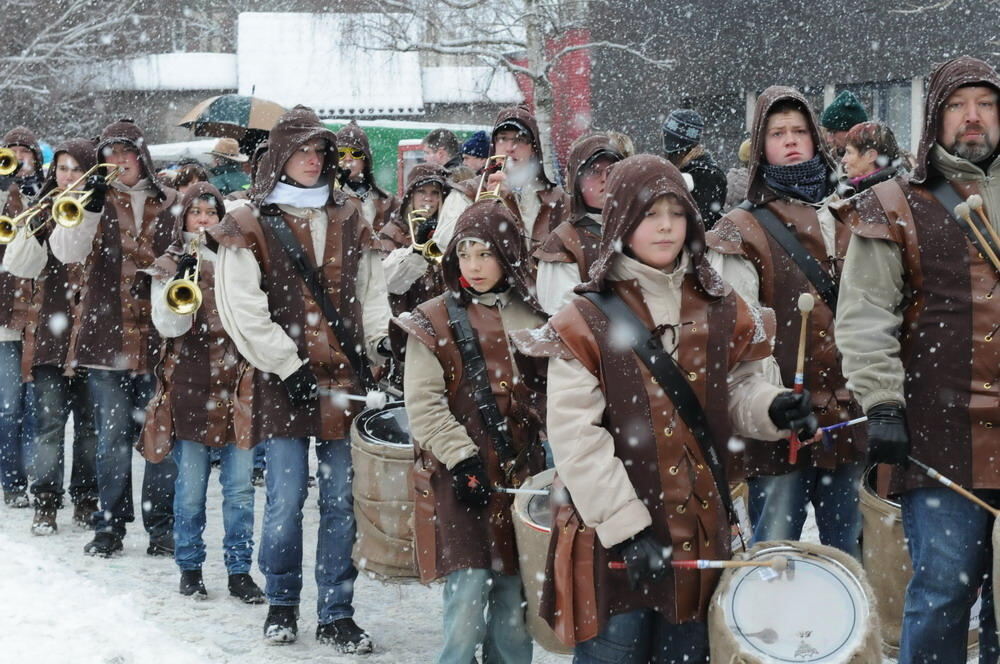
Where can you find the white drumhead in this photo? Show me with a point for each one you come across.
(816, 611)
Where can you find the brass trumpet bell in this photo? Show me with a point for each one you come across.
(67, 210)
(8, 162)
(183, 297)
(8, 231)
(9, 226)
(429, 249)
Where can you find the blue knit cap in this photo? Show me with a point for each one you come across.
(478, 145)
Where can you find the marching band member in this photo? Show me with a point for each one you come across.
(473, 421)
(307, 334)
(194, 408)
(357, 176)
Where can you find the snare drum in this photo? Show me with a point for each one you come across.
(532, 531)
(820, 609)
(382, 454)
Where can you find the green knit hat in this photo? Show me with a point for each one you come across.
(843, 113)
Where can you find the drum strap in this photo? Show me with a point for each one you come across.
(949, 199)
(649, 348)
(311, 276)
(474, 367)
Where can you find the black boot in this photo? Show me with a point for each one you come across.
(242, 587)
(104, 545)
(191, 584)
(83, 513)
(17, 499)
(280, 626)
(44, 523)
(345, 636)
(161, 545)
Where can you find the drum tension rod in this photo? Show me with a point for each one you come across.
(777, 563)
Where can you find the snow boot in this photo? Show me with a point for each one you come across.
(16, 499)
(281, 625)
(345, 635)
(192, 585)
(44, 522)
(104, 545)
(242, 587)
(83, 513)
(161, 545)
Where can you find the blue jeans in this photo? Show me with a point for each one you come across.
(55, 397)
(13, 448)
(778, 505)
(950, 541)
(645, 637)
(481, 606)
(280, 556)
(193, 468)
(120, 400)
(259, 454)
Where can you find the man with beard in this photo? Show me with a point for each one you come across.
(917, 324)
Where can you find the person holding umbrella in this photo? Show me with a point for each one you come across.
(228, 173)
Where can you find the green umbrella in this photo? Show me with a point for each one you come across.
(232, 116)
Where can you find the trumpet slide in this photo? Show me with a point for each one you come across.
(429, 249)
(10, 226)
(494, 164)
(67, 209)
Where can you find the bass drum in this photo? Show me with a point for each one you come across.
(887, 562)
(382, 454)
(819, 609)
(532, 518)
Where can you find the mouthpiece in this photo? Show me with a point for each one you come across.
(806, 302)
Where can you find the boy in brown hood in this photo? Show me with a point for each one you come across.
(641, 478)
(787, 209)
(536, 201)
(357, 176)
(565, 258)
(308, 344)
(46, 342)
(29, 175)
(918, 321)
(464, 532)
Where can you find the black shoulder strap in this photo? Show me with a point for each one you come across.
(474, 367)
(811, 268)
(669, 377)
(310, 275)
(949, 198)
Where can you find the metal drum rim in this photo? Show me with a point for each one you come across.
(521, 501)
(367, 414)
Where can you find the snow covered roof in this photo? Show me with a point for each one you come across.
(169, 71)
(458, 85)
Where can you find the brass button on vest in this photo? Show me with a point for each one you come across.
(687, 546)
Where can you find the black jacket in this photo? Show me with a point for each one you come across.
(709, 187)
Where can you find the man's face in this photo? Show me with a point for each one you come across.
(969, 127)
(836, 140)
(516, 146)
(305, 166)
(438, 157)
(27, 159)
(788, 139)
(125, 157)
(592, 181)
(473, 163)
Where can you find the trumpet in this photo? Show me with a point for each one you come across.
(67, 210)
(184, 295)
(490, 168)
(8, 162)
(429, 249)
(9, 226)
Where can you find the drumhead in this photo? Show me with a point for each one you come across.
(388, 426)
(539, 512)
(871, 475)
(815, 611)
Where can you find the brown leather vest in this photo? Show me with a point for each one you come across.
(781, 283)
(949, 340)
(15, 293)
(571, 242)
(50, 321)
(394, 235)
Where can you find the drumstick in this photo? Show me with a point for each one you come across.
(531, 492)
(964, 211)
(960, 490)
(975, 202)
(848, 423)
(806, 304)
(777, 563)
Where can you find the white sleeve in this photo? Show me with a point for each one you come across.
(73, 245)
(740, 273)
(374, 302)
(25, 256)
(402, 267)
(555, 284)
(246, 315)
(452, 208)
(166, 322)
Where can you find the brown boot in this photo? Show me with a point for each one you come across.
(44, 522)
(83, 512)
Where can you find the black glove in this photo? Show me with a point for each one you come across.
(302, 387)
(98, 187)
(6, 181)
(425, 230)
(888, 441)
(469, 480)
(646, 560)
(384, 348)
(186, 263)
(794, 412)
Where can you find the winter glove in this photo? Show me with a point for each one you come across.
(469, 480)
(384, 348)
(888, 441)
(425, 230)
(185, 264)
(794, 412)
(98, 187)
(6, 181)
(646, 560)
(302, 387)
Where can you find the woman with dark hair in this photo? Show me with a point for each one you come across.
(870, 156)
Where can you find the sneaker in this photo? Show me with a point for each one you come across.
(161, 545)
(44, 522)
(257, 478)
(345, 636)
(242, 587)
(104, 545)
(83, 513)
(16, 499)
(280, 626)
(192, 584)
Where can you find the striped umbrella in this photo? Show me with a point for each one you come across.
(232, 116)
